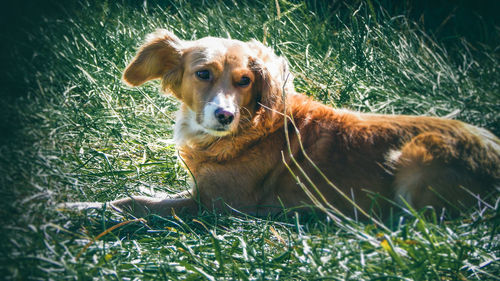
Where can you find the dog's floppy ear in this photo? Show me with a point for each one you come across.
(273, 78)
(156, 58)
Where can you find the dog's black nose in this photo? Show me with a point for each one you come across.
(223, 116)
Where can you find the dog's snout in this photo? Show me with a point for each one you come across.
(223, 116)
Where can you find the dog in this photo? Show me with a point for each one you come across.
(254, 145)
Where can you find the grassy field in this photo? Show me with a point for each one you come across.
(74, 132)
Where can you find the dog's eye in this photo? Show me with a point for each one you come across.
(203, 74)
(244, 81)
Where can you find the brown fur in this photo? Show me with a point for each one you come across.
(397, 157)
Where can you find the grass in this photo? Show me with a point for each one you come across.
(76, 133)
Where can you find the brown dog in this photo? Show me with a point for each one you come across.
(231, 134)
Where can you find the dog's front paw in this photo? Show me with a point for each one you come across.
(123, 206)
(138, 206)
(80, 206)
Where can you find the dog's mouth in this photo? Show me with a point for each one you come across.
(218, 132)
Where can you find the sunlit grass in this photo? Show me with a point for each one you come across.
(87, 137)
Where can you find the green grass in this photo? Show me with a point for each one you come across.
(78, 134)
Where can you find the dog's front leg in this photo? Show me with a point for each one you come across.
(141, 206)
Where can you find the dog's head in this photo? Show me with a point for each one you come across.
(224, 82)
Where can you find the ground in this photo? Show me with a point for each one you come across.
(72, 131)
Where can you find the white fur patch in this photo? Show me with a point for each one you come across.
(210, 122)
(393, 156)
